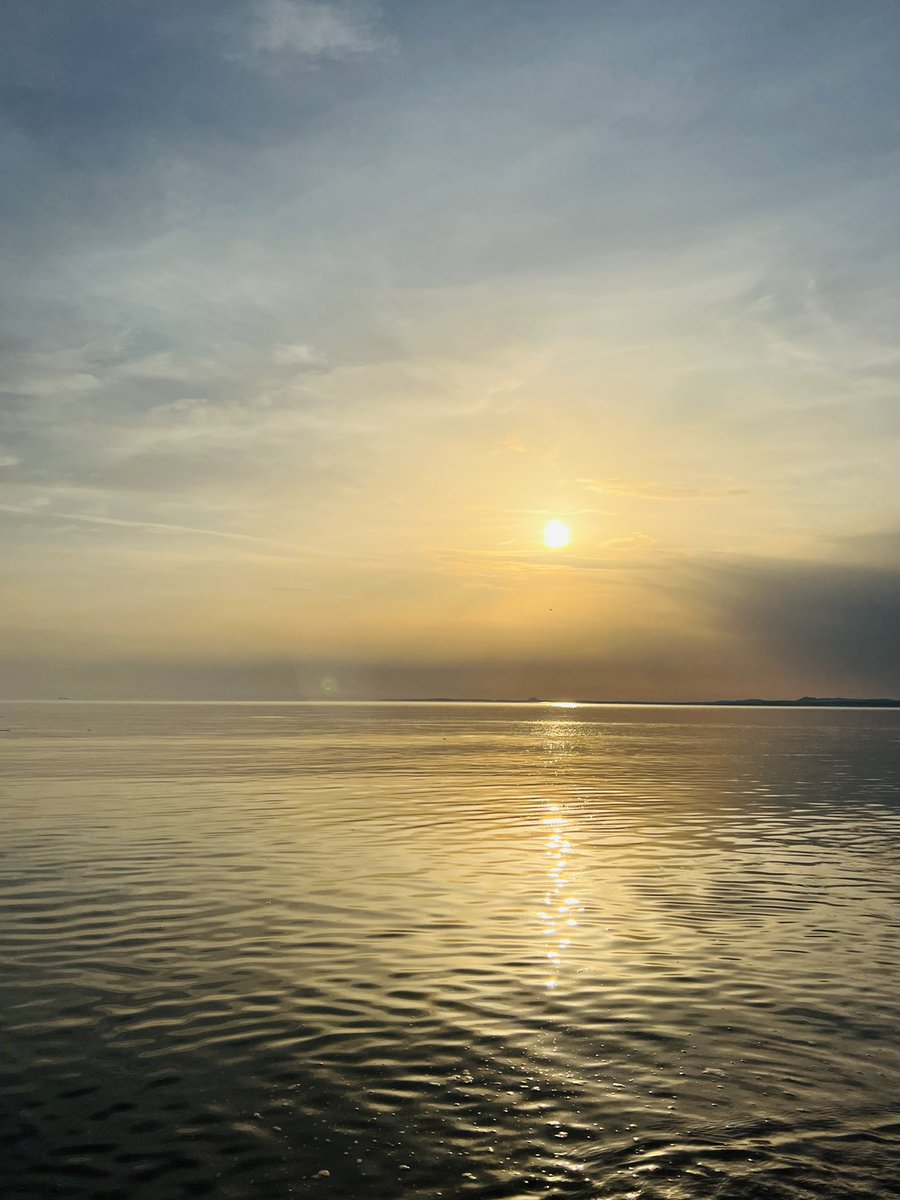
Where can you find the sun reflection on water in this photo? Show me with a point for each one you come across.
(559, 911)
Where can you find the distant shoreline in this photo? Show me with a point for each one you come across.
(803, 702)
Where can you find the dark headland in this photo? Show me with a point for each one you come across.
(802, 702)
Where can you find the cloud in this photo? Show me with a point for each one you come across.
(663, 491)
(153, 526)
(48, 373)
(311, 30)
(822, 625)
(510, 445)
(874, 548)
(296, 354)
(634, 541)
(555, 564)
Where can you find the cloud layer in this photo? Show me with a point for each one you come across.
(321, 309)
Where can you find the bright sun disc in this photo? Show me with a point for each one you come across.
(556, 535)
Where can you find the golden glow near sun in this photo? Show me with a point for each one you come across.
(556, 535)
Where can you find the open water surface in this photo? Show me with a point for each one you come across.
(368, 951)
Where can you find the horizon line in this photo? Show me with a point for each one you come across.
(746, 702)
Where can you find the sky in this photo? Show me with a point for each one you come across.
(313, 314)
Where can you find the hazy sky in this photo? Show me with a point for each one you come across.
(312, 314)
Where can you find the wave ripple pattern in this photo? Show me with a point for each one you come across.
(488, 952)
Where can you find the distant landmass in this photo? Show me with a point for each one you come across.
(754, 702)
(817, 702)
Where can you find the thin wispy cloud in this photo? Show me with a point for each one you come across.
(312, 30)
(661, 491)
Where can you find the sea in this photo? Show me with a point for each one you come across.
(438, 950)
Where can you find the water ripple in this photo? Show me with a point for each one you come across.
(322, 951)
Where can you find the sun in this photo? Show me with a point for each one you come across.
(556, 535)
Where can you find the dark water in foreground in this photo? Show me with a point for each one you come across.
(375, 951)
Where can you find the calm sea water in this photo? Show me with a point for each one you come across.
(368, 951)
